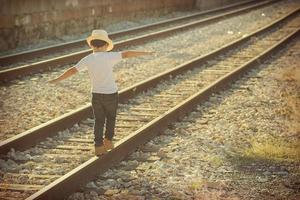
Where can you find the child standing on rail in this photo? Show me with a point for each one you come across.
(104, 88)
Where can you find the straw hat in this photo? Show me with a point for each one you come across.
(100, 35)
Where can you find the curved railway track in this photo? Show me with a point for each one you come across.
(177, 91)
(163, 28)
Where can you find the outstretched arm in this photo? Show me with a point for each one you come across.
(130, 54)
(71, 71)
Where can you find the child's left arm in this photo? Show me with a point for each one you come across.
(130, 54)
(71, 71)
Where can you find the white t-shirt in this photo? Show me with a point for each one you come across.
(100, 69)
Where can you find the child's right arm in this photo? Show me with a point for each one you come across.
(130, 54)
(71, 71)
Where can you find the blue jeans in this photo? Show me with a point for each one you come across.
(105, 112)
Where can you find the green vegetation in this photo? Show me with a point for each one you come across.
(274, 150)
(215, 161)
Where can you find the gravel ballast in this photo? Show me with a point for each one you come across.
(204, 155)
(74, 146)
(31, 101)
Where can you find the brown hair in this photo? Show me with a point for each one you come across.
(98, 43)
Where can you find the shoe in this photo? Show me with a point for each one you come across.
(100, 150)
(108, 144)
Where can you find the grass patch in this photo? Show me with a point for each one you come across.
(291, 73)
(197, 185)
(290, 80)
(273, 150)
(215, 160)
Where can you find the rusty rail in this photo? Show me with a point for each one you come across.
(10, 74)
(33, 136)
(9, 59)
(68, 184)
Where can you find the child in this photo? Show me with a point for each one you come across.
(104, 89)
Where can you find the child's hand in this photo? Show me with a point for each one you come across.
(149, 52)
(129, 54)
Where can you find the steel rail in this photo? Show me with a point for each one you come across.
(31, 137)
(69, 183)
(13, 73)
(21, 56)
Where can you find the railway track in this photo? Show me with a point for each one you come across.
(54, 125)
(31, 54)
(177, 92)
(81, 43)
(30, 94)
(161, 29)
(205, 147)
